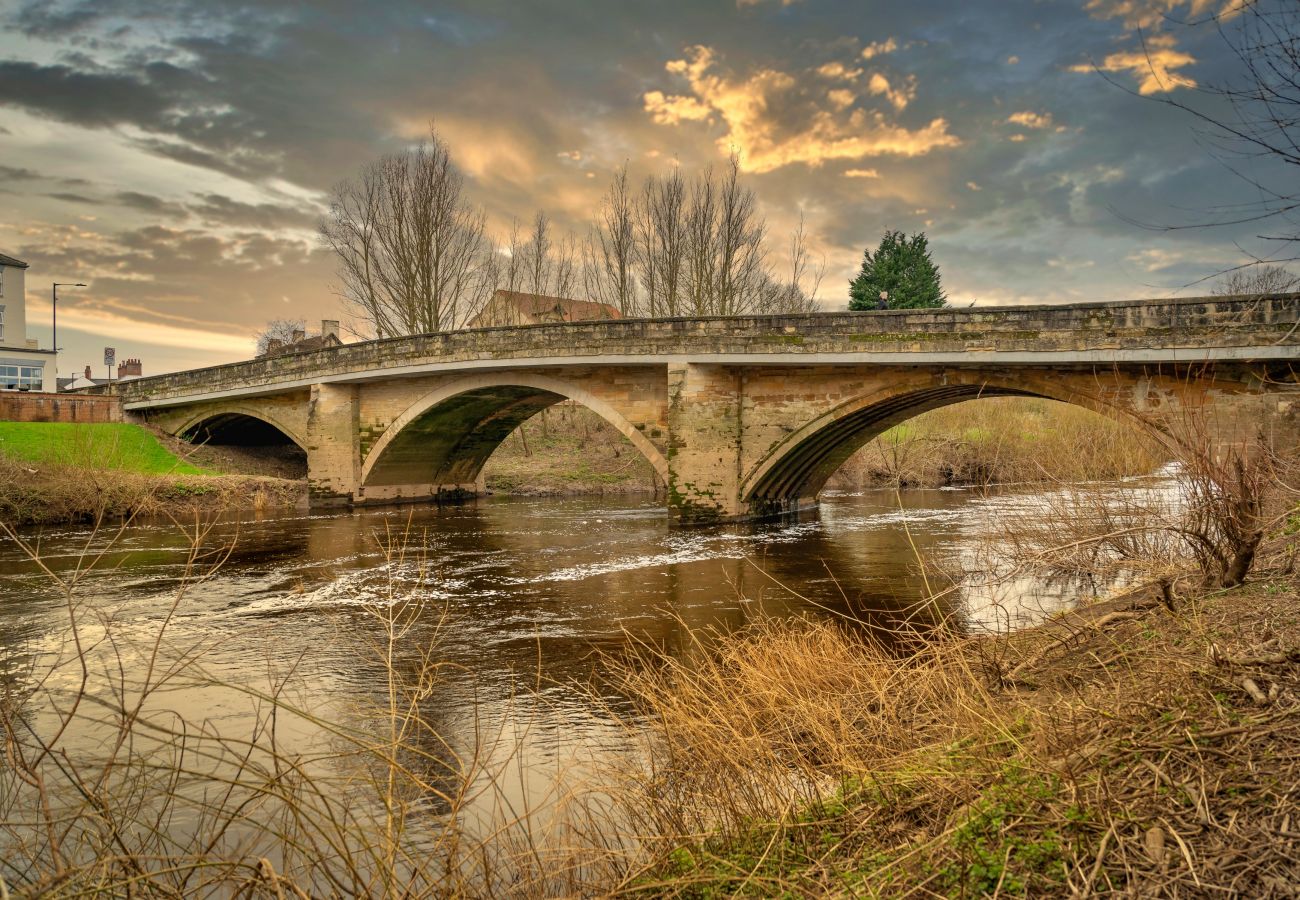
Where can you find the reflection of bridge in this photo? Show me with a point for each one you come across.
(740, 417)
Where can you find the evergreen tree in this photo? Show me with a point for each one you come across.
(901, 267)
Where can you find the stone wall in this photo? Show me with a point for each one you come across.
(24, 406)
(1145, 325)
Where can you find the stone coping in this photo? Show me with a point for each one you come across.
(1054, 332)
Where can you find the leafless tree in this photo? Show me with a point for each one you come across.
(285, 331)
(412, 254)
(1256, 133)
(741, 233)
(1258, 280)
(536, 256)
(609, 257)
(661, 242)
(798, 293)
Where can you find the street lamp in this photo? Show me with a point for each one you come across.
(54, 336)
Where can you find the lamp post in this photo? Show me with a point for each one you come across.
(54, 329)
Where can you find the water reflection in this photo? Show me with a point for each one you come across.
(513, 592)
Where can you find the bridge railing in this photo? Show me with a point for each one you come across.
(1191, 323)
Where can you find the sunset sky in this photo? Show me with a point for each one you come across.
(175, 155)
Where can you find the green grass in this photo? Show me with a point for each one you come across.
(119, 446)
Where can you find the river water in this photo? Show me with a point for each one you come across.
(515, 593)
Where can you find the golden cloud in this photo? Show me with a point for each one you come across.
(1153, 67)
(837, 71)
(841, 99)
(879, 48)
(899, 96)
(861, 173)
(748, 109)
(1154, 13)
(1031, 119)
(674, 110)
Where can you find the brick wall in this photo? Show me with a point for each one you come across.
(23, 406)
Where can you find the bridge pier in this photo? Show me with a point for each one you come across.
(705, 440)
(333, 445)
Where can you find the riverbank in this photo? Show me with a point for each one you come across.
(566, 450)
(1127, 747)
(53, 494)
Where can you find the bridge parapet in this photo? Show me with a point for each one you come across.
(947, 336)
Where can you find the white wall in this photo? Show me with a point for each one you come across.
(14, 300)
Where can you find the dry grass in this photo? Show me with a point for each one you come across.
(1121, 751)
(1001, 440)
(568, 449)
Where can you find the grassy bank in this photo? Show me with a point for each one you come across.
(568, 449)
(53, 473)
(115, 446)
(1130, 748)
(1002, 440)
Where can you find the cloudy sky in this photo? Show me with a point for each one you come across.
(175, 154)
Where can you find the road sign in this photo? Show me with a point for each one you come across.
(110, 353)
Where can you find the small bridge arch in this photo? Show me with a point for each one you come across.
(231, 418)
(441, 442)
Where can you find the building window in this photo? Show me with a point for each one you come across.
(21, 378)
(2, 319)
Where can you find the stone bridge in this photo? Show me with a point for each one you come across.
(740, 417)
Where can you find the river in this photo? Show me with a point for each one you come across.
(515, 595)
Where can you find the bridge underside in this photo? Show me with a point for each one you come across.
(729, 441)
(442, 452)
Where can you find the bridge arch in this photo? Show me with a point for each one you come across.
(445, 438)
(229, 416)
(794, 471)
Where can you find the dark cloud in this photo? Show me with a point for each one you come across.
(85, 98)
(73, 198)
(18, 173)
(149, 203)
(220, 210)
(249, 112)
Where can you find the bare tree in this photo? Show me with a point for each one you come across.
(1258, 280)
(661, 243)
(536, 259)
(278, 332)
(1257, 138)
(798, 293)
(610, 252)
(741, 232)
(411, 249)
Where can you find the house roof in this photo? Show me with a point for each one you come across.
(569, 310)
(315, 342)
(10, 261)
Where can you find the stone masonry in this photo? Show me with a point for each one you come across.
(745, 416)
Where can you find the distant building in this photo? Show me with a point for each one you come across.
(521, 308)
(22, 362)
(299, 342)
(126, 370)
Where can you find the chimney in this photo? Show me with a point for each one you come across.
(87, 373)
(329, 328)
(298, 335)
(130, 368)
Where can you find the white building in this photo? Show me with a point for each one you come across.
(22, 363)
